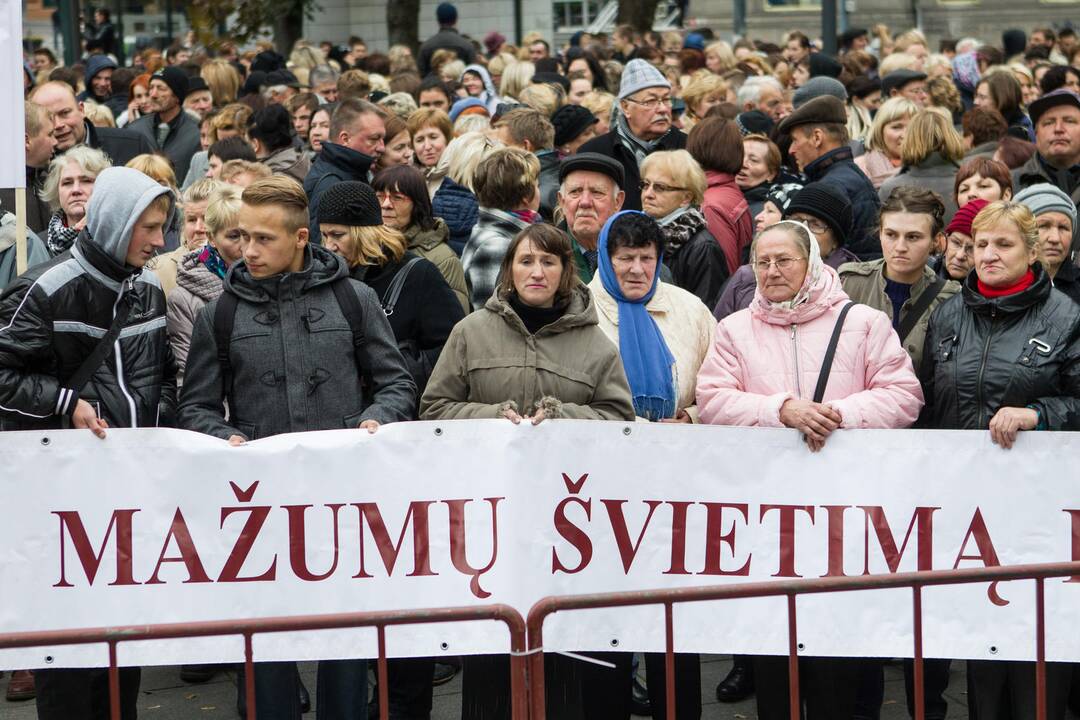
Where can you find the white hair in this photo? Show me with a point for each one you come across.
(750, 92)
(967, 44)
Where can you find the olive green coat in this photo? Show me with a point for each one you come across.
(490, 361)
(432, 245)
(864, 282)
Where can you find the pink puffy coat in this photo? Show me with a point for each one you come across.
(767, 354)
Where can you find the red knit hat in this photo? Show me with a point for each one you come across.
(963, 218)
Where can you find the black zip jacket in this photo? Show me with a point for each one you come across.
(53, 316)
(984, 354)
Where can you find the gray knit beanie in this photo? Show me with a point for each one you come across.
(1044, 198)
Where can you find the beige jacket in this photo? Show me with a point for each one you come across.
(864, 282)
(686, 324)
(491, 362)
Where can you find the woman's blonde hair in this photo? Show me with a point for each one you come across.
(233, 117)
(724, 54)
(599, 103)
(931, 131)
(515, 78)
(1018, 214)
(223, 210)
(897, 61)
(463, 154)
(223, 81)
(157, 168)
(375, 245)
(890, 111)
(540, 97)
(683, 170)
(201, 190)
(498, 65)
(89, 160)
(99, 115)
(702, 86)
(471, 123)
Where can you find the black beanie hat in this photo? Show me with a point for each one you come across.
(1014, 42)
(253, 84)
(753, 122)
(176, 79)
(350, 203)
(272, 126)
(827, 204)
(570, 121)
(827, 65)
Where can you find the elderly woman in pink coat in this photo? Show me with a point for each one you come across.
(763, 369)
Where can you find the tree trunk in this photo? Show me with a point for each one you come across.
(637, 13)
(403, 23)
(288, 26)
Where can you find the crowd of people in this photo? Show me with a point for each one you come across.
(661, 227)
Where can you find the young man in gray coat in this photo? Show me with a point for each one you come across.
(287, 370)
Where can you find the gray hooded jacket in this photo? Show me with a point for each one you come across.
(294, 367)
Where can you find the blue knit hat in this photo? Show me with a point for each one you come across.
(639, 75)
(464, 104)
(446, 13)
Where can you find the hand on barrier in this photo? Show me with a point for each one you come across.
(512, 415)
(1008, 421)
(814, 420)
(85, 417)
(370, 425)
(682, 417)
(236, 440)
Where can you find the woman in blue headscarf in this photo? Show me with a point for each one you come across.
(663, 334)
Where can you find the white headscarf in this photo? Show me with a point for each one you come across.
(814, 267)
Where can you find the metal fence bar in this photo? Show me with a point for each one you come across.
(669, 659)
(1040, 650)
(384, 680)
(249, 627)
(919, 680)
(791, 589)
(794, 699)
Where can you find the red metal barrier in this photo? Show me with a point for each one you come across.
(792, 589)
(247, 628)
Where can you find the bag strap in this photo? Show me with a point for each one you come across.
(830, 352)
(224, 319)
(390, 298)
(354, 314)
(101, 351)
(917, 310)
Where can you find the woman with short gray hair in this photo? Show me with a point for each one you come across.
(67, 190)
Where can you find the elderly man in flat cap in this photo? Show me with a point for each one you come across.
(819, 145)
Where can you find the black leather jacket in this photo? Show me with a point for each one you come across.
(51, 319)
(984, 354)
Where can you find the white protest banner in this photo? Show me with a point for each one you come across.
(12, 131)
(153, 526)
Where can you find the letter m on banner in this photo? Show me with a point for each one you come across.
(71, 524)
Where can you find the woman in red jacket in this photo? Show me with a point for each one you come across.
(717, 146)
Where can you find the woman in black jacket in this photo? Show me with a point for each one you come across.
(421, 307)
(422, 310)
(672, 188)
(1004, 354)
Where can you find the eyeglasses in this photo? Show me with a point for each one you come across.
(651, 103)
(782, 264)
(816, 226)
(658, 187)
(394, 197)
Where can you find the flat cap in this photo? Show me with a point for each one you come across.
(898, 79)
(825, 109)
(593, 162)
(1061, 96)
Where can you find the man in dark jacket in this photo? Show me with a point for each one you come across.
(168, 128)
(51, 319)
(282, 276)
(98, 79)
(40, 143)
(357, 140)
(1056, 117)
(447, 38)
(819, 144)
(72, 127)
(642, 126)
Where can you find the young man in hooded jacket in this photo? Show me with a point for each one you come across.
(51, 319)
(287, 372)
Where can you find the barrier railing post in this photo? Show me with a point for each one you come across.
(793, 660)
(114, 683)
(384, 683)
(1040, 650)
(917, 657)
(536, 665)
(669, 660)
(519, 682)
(249, 675)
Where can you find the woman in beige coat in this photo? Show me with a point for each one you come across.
(533, 352)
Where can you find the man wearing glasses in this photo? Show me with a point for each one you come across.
(642, 125)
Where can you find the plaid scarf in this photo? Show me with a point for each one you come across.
(640, 148)
(59, 237)
(679, 226)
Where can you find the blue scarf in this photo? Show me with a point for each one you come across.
(213, 261)
(645, 355)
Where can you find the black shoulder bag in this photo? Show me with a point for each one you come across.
(830, 353)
